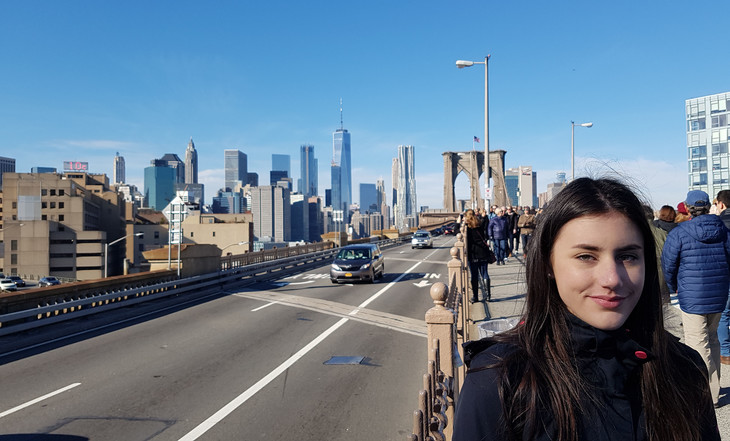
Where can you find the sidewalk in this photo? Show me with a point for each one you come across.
(508, 295)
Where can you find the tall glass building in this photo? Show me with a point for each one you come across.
(119, 169)
(406, 207)
(708, 120)
(159, 184)
(308, 182)
(369, 198)
(281, 163)
(341, 178)
(236, 168)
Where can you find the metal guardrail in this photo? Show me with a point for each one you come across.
(39, 307)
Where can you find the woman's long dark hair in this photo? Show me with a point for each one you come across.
(546, 378)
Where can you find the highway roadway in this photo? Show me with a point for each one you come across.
(291, 358)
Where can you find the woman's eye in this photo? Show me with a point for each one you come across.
(628, 257)
(585, 257)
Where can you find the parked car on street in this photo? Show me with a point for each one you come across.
(421, 239)
(18, 281)
(49, 281)
(361, 262)
(451, 229)
(7, 285)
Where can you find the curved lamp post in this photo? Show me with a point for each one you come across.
(587, 125)
(462, 64)
(107, 245)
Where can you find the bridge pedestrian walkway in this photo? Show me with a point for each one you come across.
(508, 295)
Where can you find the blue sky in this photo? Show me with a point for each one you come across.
(81, 80)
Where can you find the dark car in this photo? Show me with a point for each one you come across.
(49, 281)
(361, 262)
(451, 229)
(18, 281)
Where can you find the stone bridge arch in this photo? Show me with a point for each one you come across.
(472, 164)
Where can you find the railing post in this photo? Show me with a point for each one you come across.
(441, 322)
(455, 271)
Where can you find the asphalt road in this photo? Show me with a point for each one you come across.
(248, 364)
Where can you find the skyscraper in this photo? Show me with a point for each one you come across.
(236, 168)
(708, 119)
(308, 182)
(191, 163)
(341, 170)
(406, 208)
(281, 163)
(159, 184)
(368, 198)
(271, 209)
(119, 169)
(173, 161)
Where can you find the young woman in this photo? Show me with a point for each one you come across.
(476, 239)
(591, 359)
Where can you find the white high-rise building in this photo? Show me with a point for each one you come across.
(526, 185)
(708, 123)
(406, 206)
(271, 209)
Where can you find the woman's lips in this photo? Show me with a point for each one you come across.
(609, 302)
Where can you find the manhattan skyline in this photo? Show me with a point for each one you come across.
(78, 88)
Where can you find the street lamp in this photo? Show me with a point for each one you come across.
(106, 249)
(572, 143)
(462, 64)
(235, 244)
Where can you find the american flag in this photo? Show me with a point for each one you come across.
(476, 139)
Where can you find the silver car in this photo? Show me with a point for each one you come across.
(362, 262)
(7, 285)
(422, 239)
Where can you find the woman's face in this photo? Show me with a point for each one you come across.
(598, 265)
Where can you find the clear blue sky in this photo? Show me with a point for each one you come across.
(81, 80)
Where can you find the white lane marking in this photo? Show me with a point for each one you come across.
(239, 400)
(264, 306)
(38, 400)
(251, 391)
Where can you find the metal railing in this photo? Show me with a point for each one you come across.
(33, 308)
(448, 329)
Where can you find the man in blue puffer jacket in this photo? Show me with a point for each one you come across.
(696, 264)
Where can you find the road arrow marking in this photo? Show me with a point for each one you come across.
(422, 284)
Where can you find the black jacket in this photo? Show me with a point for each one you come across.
(478, 249)
(610, 361)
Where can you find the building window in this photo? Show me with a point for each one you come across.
(44, 192)
(719, 148)
(718, 105)
(696, 124)
(698, 152)
(699, 165)
(13, 245)
(53, 205)
(44, 217)
(61, 217)
(44, 205)
(13, 259)
(157, 234)
(61, 192)
(61, 205)
(192, 234)
(719, 121)
(15, 205)
(698, 179)
(214, 234)
(53, 192)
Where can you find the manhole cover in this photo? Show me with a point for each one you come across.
(345, 360)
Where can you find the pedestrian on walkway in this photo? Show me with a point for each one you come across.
(477, 256)
(497, 231)
(666, 217)
(696, 264)
(591, 359)
(723, 328)
(512, 231)
(526, 224)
